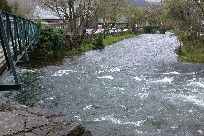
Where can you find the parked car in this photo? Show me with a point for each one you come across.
(113, 30)
(89, 31)
(99, 31)
(125, 30)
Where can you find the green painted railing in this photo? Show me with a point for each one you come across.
(17, 37)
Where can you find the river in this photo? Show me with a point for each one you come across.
(135, 87)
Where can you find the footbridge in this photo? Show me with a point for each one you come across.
(18, 36)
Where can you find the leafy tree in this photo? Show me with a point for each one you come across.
(98, 42)
(23, 8)
(4, 6)
(110, 10)
(50, 39)
(154, 14)
(186, 16)
(76, 14)
(134, 16)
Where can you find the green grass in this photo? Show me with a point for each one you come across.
(108, 41)
(86, 47)
(192, 52)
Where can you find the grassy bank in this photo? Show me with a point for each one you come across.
(108, 41)
(191, 52)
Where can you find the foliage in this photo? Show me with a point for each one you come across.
(39, 24)
(150, 29)
(109, 40)
(89, 46)
(141, 31)
(191, 52)
(76, 14)
(51, 39)
(4, 6)
(162, 30)
(114, 39)
(110, 10)
(185, 17)
(154, 14)
(134, 16)
(23, 8)
(15, 9)
(98, 42)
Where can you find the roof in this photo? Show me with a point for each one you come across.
(41, 13)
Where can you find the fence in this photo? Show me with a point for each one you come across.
(17, 36)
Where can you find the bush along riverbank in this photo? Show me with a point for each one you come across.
(190, 50)
(100, 43)
(52, 42)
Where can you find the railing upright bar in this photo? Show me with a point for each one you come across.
(21, 34)
(11, 37)
(25, 39)
(15, 32)
(5, 42)
(2, 24)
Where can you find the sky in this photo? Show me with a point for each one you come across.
(153, 0)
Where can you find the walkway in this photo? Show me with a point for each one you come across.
(19, 120)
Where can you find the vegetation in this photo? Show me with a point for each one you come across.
(51, 40)
(108, 41)
(187, 24)
(4, 6)
(76, 14)
(185, 17)
(98, 42)
(192, 52)
(79, 14)
(150, 29)
(134, 16)
(22, 8)
(110, 10)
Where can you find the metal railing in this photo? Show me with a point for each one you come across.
(17, 36)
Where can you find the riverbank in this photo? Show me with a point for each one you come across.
(191, 52)
(19, 120)
(107, 41)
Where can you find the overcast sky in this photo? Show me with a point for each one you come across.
(153, 0)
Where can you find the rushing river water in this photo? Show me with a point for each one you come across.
(135, 87)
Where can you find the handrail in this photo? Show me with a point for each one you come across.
(17, 36)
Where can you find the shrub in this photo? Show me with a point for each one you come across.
(98, 42)
(39, 24)
(141, 31)
(149, 29)
(50, 40)
(162, 30)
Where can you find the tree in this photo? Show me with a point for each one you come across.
(134, 16)
(4, 6)
(23, 8)
(76, 14)
(186, 15)
(111, 10)
(154, 13)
